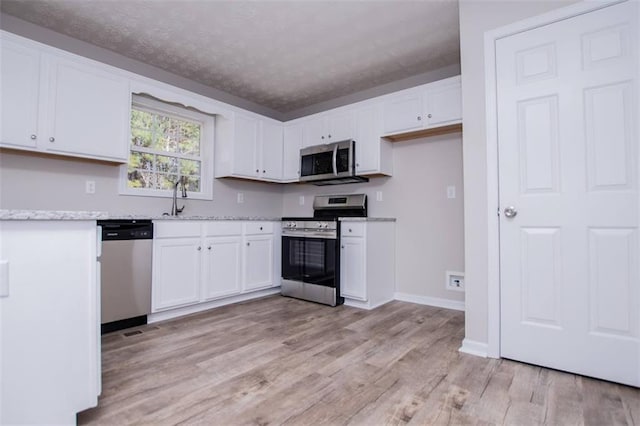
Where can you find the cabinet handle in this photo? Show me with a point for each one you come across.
(33, 137)
(428, 115)
(419, 118)
(199, 248)
(52, 139)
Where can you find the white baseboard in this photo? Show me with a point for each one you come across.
(472, 347)
(364, 305)
(430, 301)
(192, 309)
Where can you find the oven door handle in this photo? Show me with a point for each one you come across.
(335, 160)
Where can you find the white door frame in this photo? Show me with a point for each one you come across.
(491, 105)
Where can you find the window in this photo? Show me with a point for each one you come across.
(168, 143)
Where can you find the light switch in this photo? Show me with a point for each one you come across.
(378, 195)
(451, 191)
(301, 200)
(240, 197)
(90, 187)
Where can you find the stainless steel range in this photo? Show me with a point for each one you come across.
(310, 248)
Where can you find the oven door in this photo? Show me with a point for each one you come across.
(310, 260)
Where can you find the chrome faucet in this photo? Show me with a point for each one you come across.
(175, 211)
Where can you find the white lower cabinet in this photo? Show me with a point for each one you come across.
(49, 321)
(176, 272)
(222, 267)
(201, 261)
(367, 263)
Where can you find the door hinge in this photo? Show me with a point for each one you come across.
(498, 211)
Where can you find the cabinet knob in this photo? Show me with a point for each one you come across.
(257, 170)
(52, 139)
(33, 137)
(264, 171)
(321, 137)
(350, 230)
(342, 247)
(199, 248)
(209, 248)
(248, 244)
(261, 228)
(357, 164)
(419, 118)
(428, 115)
(329, 136)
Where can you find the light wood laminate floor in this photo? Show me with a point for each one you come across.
(284, 361)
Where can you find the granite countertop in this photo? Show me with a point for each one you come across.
(367, 219)
(95, 215)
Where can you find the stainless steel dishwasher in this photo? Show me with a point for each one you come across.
(127, 247)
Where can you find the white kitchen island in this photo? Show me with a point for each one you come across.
(49, 316)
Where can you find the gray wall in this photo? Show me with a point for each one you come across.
(46, 183)
(429, 227)
(477, 17)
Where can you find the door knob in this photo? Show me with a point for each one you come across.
(510, 212)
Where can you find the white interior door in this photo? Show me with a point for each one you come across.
(568, 165)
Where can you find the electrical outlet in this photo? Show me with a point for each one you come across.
(378, 195)
(301, 200)
(90, 187)
(454, 281)
(451, 191)
(240, 198)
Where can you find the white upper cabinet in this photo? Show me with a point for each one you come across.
(432, 105)
(20, 94)
(252, 150)
(373, 155)
(443, 102)
(403, 112)
(245, 143)
(53, 103)
(271, 150)
(292, 142)
(89, 111)
(330, 127)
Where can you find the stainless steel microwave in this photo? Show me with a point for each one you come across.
(329, 164)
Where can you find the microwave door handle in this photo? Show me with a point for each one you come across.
(335, 160)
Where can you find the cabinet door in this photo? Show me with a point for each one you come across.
(20, 82)
(352, 268)
(258, 262)
(367, 139)
(176, 272)
(314, 132)
(271, 151)
(443, 104)
(403, 112)
(245, 157)
(221, 267)
(340, 126)
(88, 111)
(291, 152)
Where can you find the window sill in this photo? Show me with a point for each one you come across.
(164, 194)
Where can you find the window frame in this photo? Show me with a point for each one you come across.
(207, 136)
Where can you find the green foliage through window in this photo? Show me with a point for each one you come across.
(164, 148)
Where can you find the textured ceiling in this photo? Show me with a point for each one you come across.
(284, 55)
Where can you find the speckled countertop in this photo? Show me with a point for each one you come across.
(367, 219)
(94, 215)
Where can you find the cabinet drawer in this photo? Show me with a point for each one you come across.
(352, 229)
(256, 228)
(222, 228)
(176, 229)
